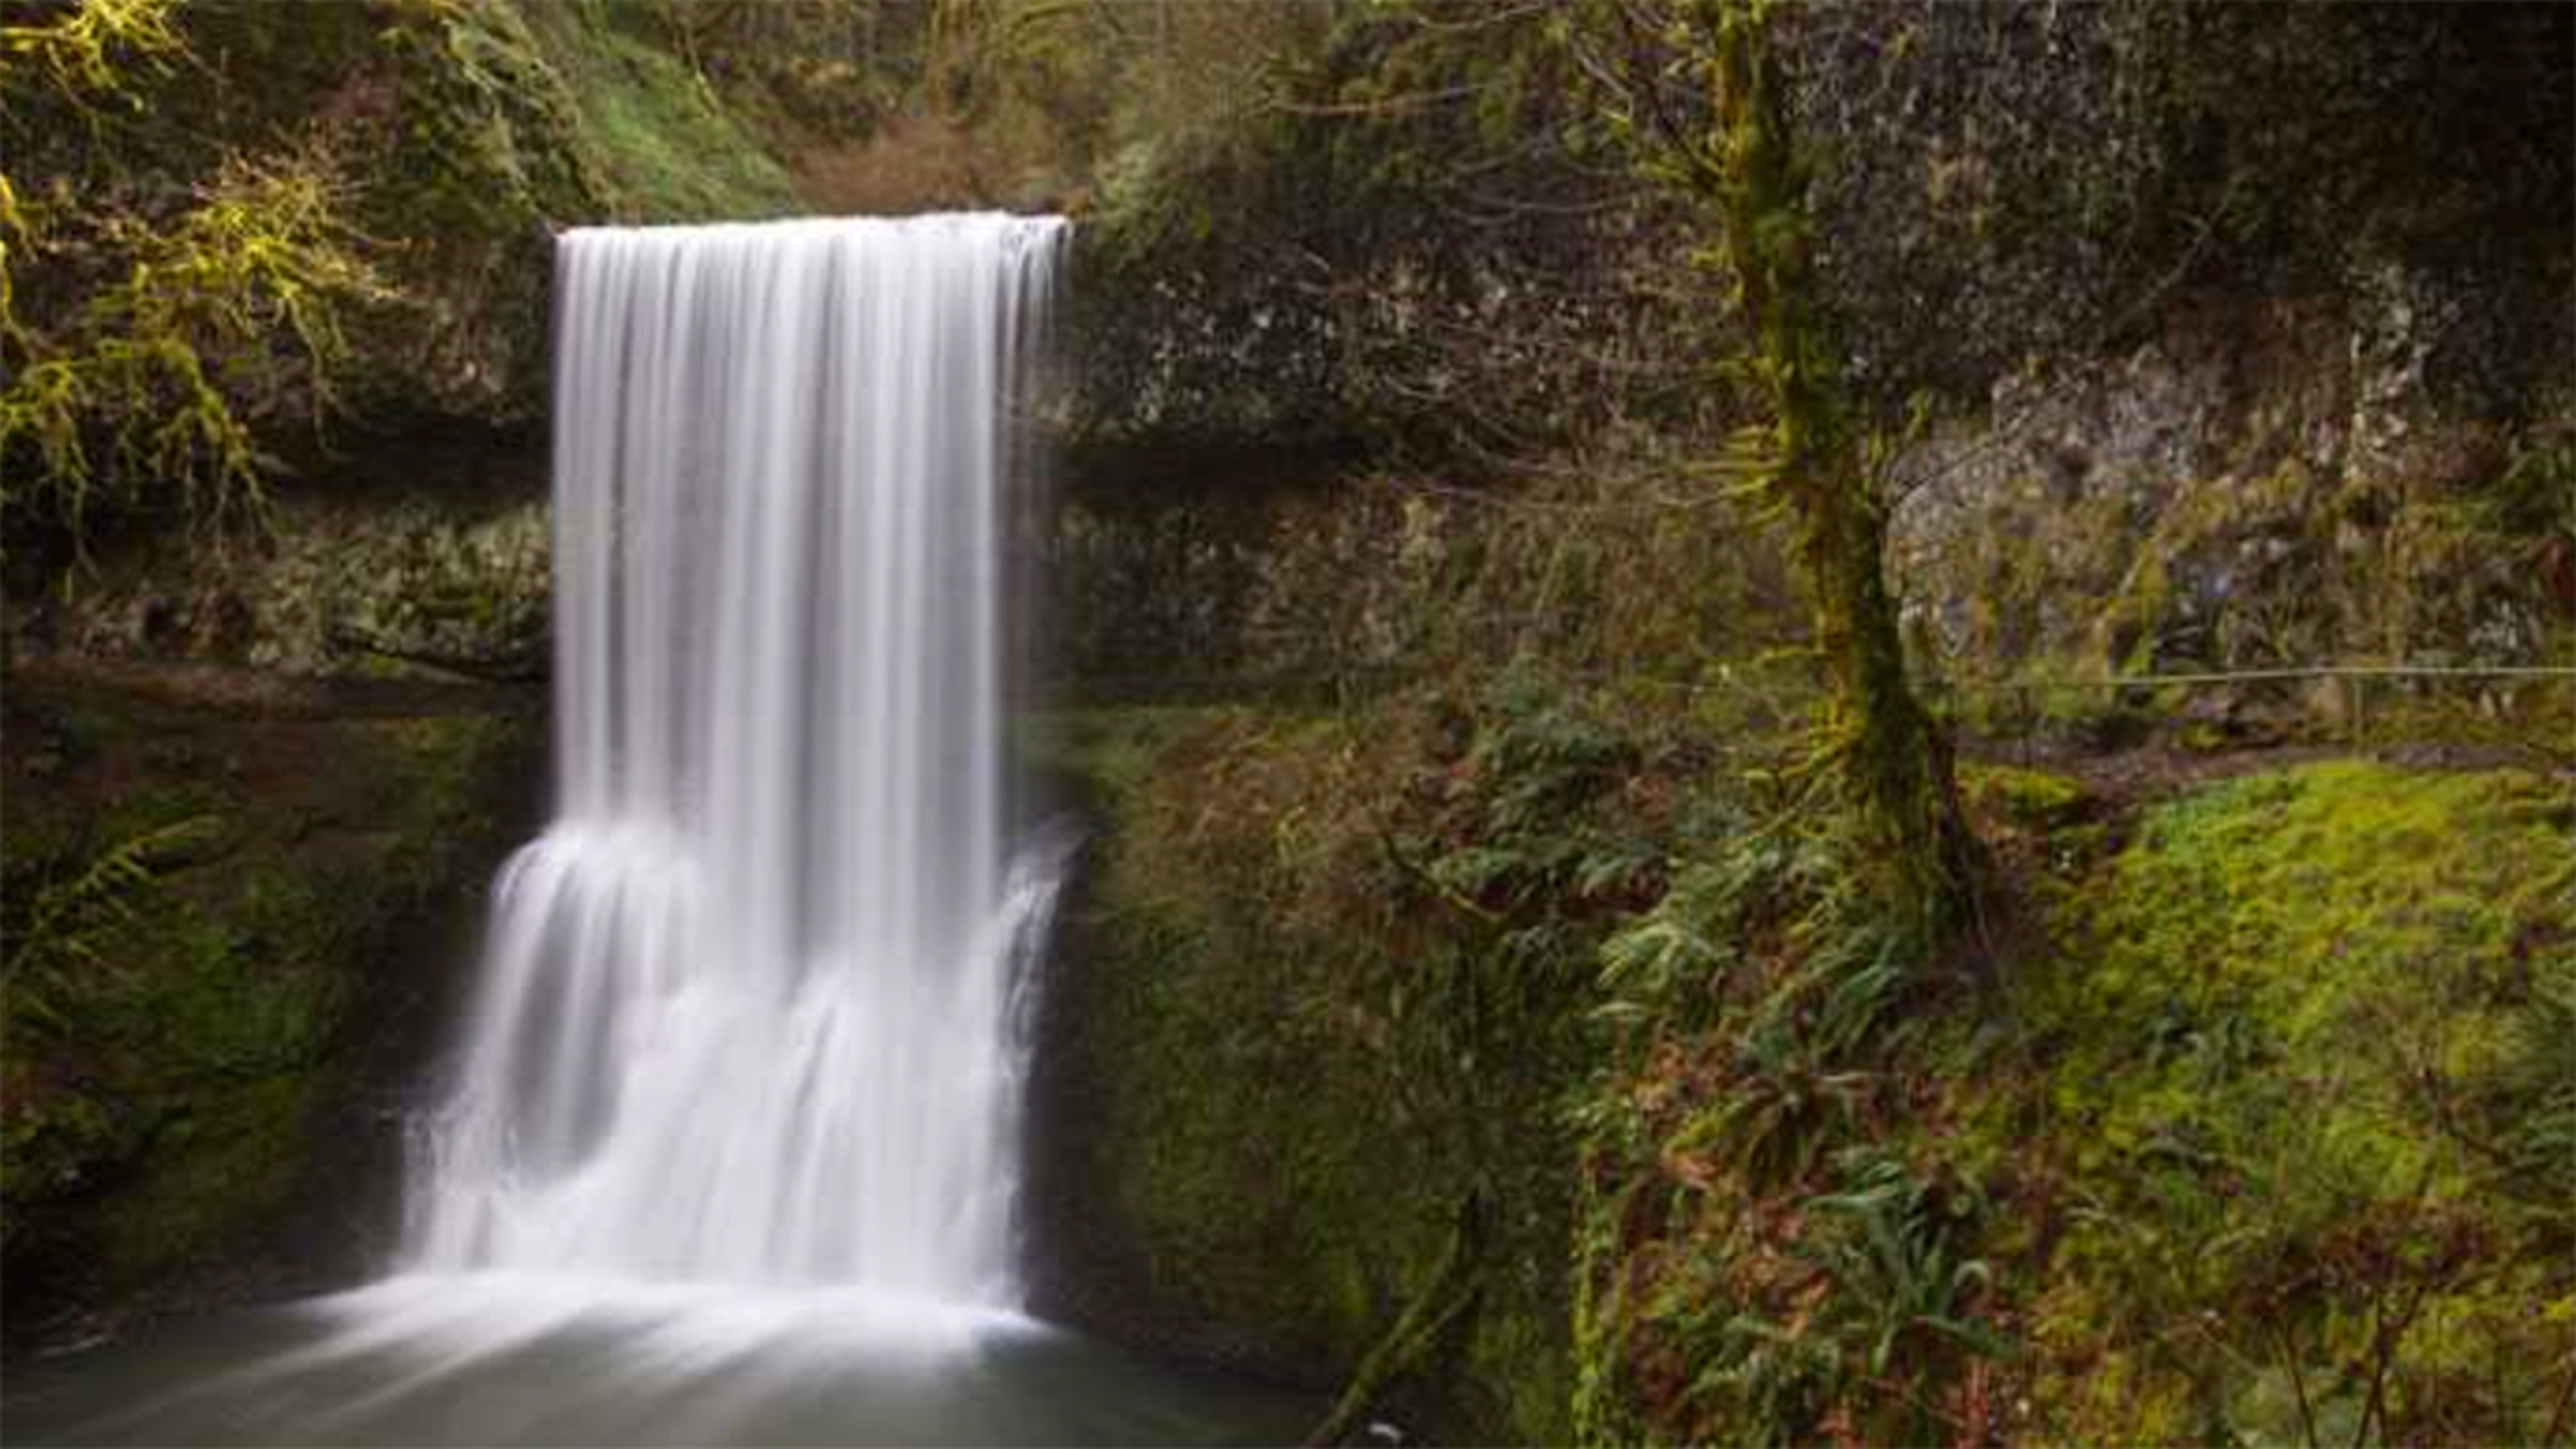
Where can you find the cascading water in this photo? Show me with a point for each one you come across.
(730, 1154)
(746, 1013)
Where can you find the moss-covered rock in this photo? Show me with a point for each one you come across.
(1203, 1111)
(1232, 587)
(441, 580)
(1248, 1151)
(231, 932)
(510, 121)
(2239, 494)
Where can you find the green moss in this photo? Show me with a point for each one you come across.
(215, 1168)
(2026, 799)
(666, 147)
(515, 120)
(163, 802)
(166, 1085)
(202, 1025)
(2284, 1040)
(1297, 1235)
(449, 782)
(1218, 1212)
(248, 994)
(2301, 894)
(1111, 754)
(1260, 1017)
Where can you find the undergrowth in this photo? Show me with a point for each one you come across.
(2256, 1125)
(2299, 1142)
(2262, 1133)
(1763, 1256)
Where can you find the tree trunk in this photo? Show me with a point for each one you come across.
(1891, 753)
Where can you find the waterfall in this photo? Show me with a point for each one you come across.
(747, 1007)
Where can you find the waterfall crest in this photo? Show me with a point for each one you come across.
(747, 1006)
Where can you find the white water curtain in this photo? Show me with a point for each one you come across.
(745, 1013)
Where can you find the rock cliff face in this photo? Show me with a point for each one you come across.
(2271, 436)
(241, 911)
(444, 580)
(2264, 489)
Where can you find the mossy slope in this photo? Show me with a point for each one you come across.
(2261, 1134)
(2260, 1127)
(1238, 1215)
(2307, 1100)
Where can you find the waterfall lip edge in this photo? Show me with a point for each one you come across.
(921, 220)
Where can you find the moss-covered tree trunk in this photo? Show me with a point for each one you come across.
(1892, 754)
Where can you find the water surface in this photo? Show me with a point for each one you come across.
(520, 1360)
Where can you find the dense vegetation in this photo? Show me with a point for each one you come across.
(1719, 651)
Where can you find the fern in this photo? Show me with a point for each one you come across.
(1903, 1298)
(2533, 1098)
(66, 919)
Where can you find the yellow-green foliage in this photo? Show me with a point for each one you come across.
(80, 55)
(85, 50)
(193, 268)
(209, 321)
(2306, 1158)
(229, 313)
